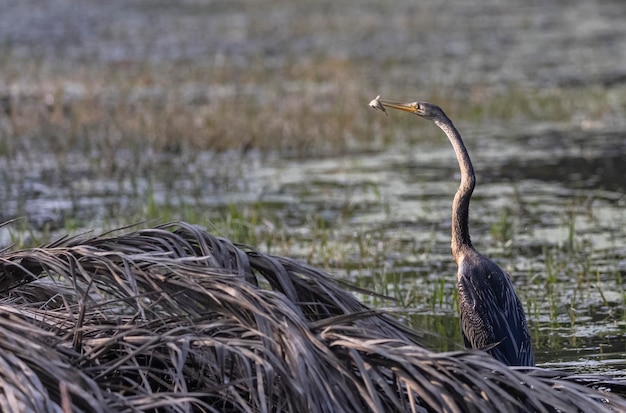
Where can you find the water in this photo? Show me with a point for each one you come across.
(385, 221)
(560, 224)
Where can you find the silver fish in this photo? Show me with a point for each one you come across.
(375, 103)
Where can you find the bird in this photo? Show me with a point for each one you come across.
(491, 315)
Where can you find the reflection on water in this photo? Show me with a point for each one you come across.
(555, 223)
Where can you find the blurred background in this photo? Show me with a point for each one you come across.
(250, 117)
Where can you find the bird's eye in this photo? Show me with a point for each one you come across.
(418, 106)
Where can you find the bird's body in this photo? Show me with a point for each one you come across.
(492, 317)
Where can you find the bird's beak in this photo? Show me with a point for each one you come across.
(407, 107)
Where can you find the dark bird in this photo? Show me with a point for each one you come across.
(492, 317)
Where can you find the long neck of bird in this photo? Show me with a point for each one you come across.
(460, 207)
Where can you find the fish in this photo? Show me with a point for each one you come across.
(375, 103)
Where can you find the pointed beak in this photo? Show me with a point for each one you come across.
(405, 106)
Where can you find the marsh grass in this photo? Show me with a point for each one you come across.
(503, 229)
(300, 110)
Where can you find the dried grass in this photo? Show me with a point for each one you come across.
(175, 319)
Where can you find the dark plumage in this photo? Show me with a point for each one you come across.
(492, 317)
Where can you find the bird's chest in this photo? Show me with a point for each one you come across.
(476, 288)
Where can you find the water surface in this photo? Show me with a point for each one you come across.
(554, 221)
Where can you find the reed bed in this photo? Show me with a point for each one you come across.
(175, 319)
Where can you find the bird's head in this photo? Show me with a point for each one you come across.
(422, 109)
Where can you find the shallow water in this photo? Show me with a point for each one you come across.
(382, 220)
(559, 226)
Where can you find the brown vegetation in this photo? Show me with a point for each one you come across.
(175, 319)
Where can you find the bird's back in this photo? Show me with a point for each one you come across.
(492, 316)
